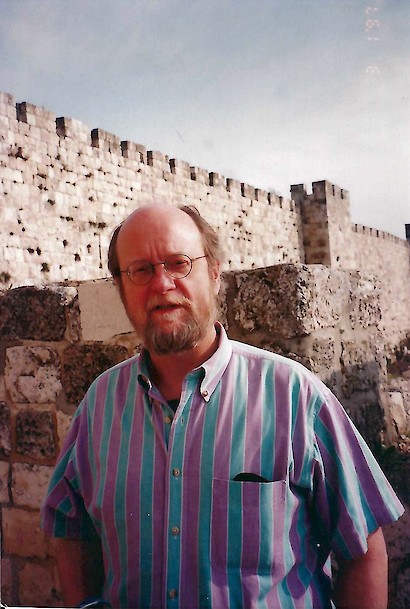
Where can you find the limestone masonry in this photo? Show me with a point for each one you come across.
(65, 187)
(299, 279)
(54, 341)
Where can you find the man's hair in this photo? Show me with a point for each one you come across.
(113, 264)
(210, 240)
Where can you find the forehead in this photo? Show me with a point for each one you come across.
(156, 232)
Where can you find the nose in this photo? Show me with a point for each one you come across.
(161, 281)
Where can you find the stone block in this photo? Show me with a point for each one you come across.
(322, 190)
(35, 437)
(233, 186)
(36, 116)
(4, 482)
(74, 320)
(286, 300)
(29, 484)
(321, 358)
(180, 168)
(364, 309)
(81, 364)
(263, 196)
(133, 151)
(399, 417)
(38, 586)
(22, 534)
(63, 424)
(359, 366)
(248, 191)
(12, 175)
(217, 179)
(200, 175)
(5, 430)
(368, 416)
(32, 374)
(101, 323)
(33, 314)
(105, 141)
(71, 128)
(6, 582)
(158, 159)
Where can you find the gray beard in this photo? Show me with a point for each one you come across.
(181, 338)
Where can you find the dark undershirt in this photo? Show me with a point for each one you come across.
(173, 404)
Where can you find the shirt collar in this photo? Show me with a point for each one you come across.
(215, 366)
(212, 369)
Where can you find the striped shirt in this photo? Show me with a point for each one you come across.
(177, 530)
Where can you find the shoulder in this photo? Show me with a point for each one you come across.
(122, 367)
(117, 376)
(284, 369)
(251, 352)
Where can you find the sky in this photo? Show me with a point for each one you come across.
(268, 92)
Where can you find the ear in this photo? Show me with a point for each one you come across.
(215, 272)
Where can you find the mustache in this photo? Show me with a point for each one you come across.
(157, 302)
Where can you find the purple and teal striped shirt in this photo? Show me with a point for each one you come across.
(177, 530)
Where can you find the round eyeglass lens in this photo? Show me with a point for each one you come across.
(178, 266)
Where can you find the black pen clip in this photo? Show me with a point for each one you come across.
(249, 477)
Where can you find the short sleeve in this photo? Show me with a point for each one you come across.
(352, 497)
(63, 513)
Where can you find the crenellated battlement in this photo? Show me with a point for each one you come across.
(334, 293)
(39, 120)
(65, 186)
(320, 191)
(360, 229)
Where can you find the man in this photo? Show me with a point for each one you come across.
(213, 474)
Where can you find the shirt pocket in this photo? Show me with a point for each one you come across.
(247, 525)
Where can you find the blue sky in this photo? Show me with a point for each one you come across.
(270, 92)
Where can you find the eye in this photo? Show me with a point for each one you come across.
(179, 265)
(140, 269)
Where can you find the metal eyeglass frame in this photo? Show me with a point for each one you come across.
(131, 277)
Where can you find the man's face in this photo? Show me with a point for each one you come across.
(169, 315)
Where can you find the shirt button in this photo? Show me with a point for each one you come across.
(167, 420)
(176, 472)
(173, 593)
(204, 394)
(175, 531)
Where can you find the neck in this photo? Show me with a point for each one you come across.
(168, 371)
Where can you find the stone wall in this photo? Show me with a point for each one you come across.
(301, 279)
(55, 340)
(331, 239)
(64, 188)
(326, 225)
(386, 257)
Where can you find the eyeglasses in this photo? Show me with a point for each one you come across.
(177, 266)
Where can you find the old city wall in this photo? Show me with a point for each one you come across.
(300, 279)
(55, 340)
(330, 238)
(65, 187)
(387, 258)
